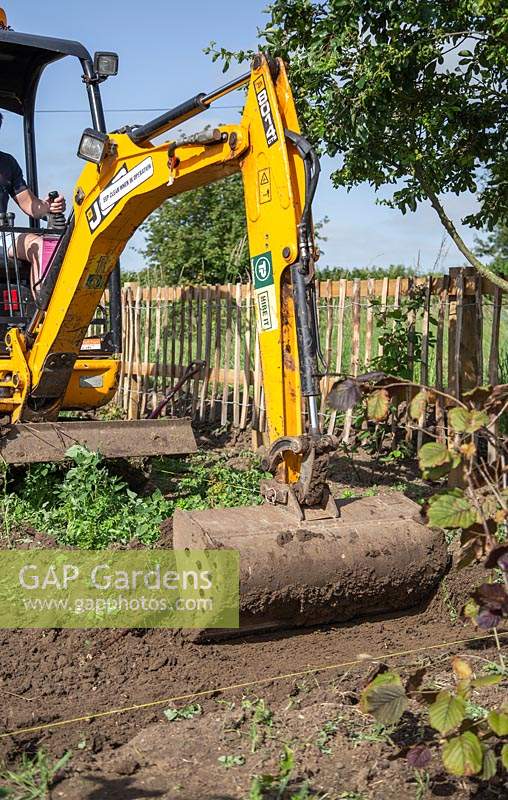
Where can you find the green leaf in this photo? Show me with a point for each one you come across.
(378, 405)
(450, 511)
(464, 421)
(447, 712)
(433, 454)
(385, 698)
(504, 756)
(187, 712)
(489, 765)
(484, 680)
(435, 473)
(229, 761)
(418, 405)
(498, 722)
(463, 755)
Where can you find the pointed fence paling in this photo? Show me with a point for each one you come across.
(457, 332)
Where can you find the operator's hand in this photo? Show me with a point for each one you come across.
(56, 206)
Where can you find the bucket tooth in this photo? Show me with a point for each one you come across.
(377, 557)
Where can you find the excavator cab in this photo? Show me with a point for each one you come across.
(24, 297)
(24, 57)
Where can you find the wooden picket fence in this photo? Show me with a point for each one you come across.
(164, 328)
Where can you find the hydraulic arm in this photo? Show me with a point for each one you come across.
(133, 177)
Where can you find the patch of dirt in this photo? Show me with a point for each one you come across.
(46, 676)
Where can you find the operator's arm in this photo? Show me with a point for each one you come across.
(27, 200)
(37, 208)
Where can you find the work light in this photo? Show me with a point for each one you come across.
(105, 64)
(93, 146)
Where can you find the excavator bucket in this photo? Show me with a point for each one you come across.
(28, 443)
(375, 557)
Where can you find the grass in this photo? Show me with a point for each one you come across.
(33, 778)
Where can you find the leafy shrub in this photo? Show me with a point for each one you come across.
(470, 743)
(85, 506)
(88, 506)
(209, 481)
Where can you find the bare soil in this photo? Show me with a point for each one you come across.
(49, 676)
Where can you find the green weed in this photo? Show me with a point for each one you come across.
(275, 785)
(448, 603)
(187, 712)
(376, 733)
(86, 505)
(262, 718)
(352, 796)
(494, 668)
(33, 778)
(325, 735)
(422, 781)
(209, 481)
(231, 761)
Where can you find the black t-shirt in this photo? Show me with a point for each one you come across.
(12, 181)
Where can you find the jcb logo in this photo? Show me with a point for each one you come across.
(266, 112)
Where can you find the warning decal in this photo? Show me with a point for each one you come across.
(266, 301)
(264, 185)
(124, 182)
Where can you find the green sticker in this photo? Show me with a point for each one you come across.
(262, 270)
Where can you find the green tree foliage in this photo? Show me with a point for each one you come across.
(404, 93)
(495, 248)
(198, 237)
(392, 271)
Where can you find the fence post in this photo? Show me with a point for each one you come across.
(464, 367)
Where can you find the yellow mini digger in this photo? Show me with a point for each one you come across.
(304, 558)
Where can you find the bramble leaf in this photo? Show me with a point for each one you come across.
(344, 395)
(418, 405)
(498, 722)
(378, 405)
(419, 756)
(489, 765)
(451, 511)
(384, 698)
(435, 473)
(486, 680)
(447, 712)
(433, 454)
(464, 421)
(461, 669)
(463, 755)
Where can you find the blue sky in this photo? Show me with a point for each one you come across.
(160, 44)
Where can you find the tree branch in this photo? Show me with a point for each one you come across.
(452, 231)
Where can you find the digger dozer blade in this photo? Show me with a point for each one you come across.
(28, 443)
(376, 557)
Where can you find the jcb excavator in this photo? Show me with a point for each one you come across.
(304, 558)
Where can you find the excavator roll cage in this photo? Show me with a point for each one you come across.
(24, 58)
